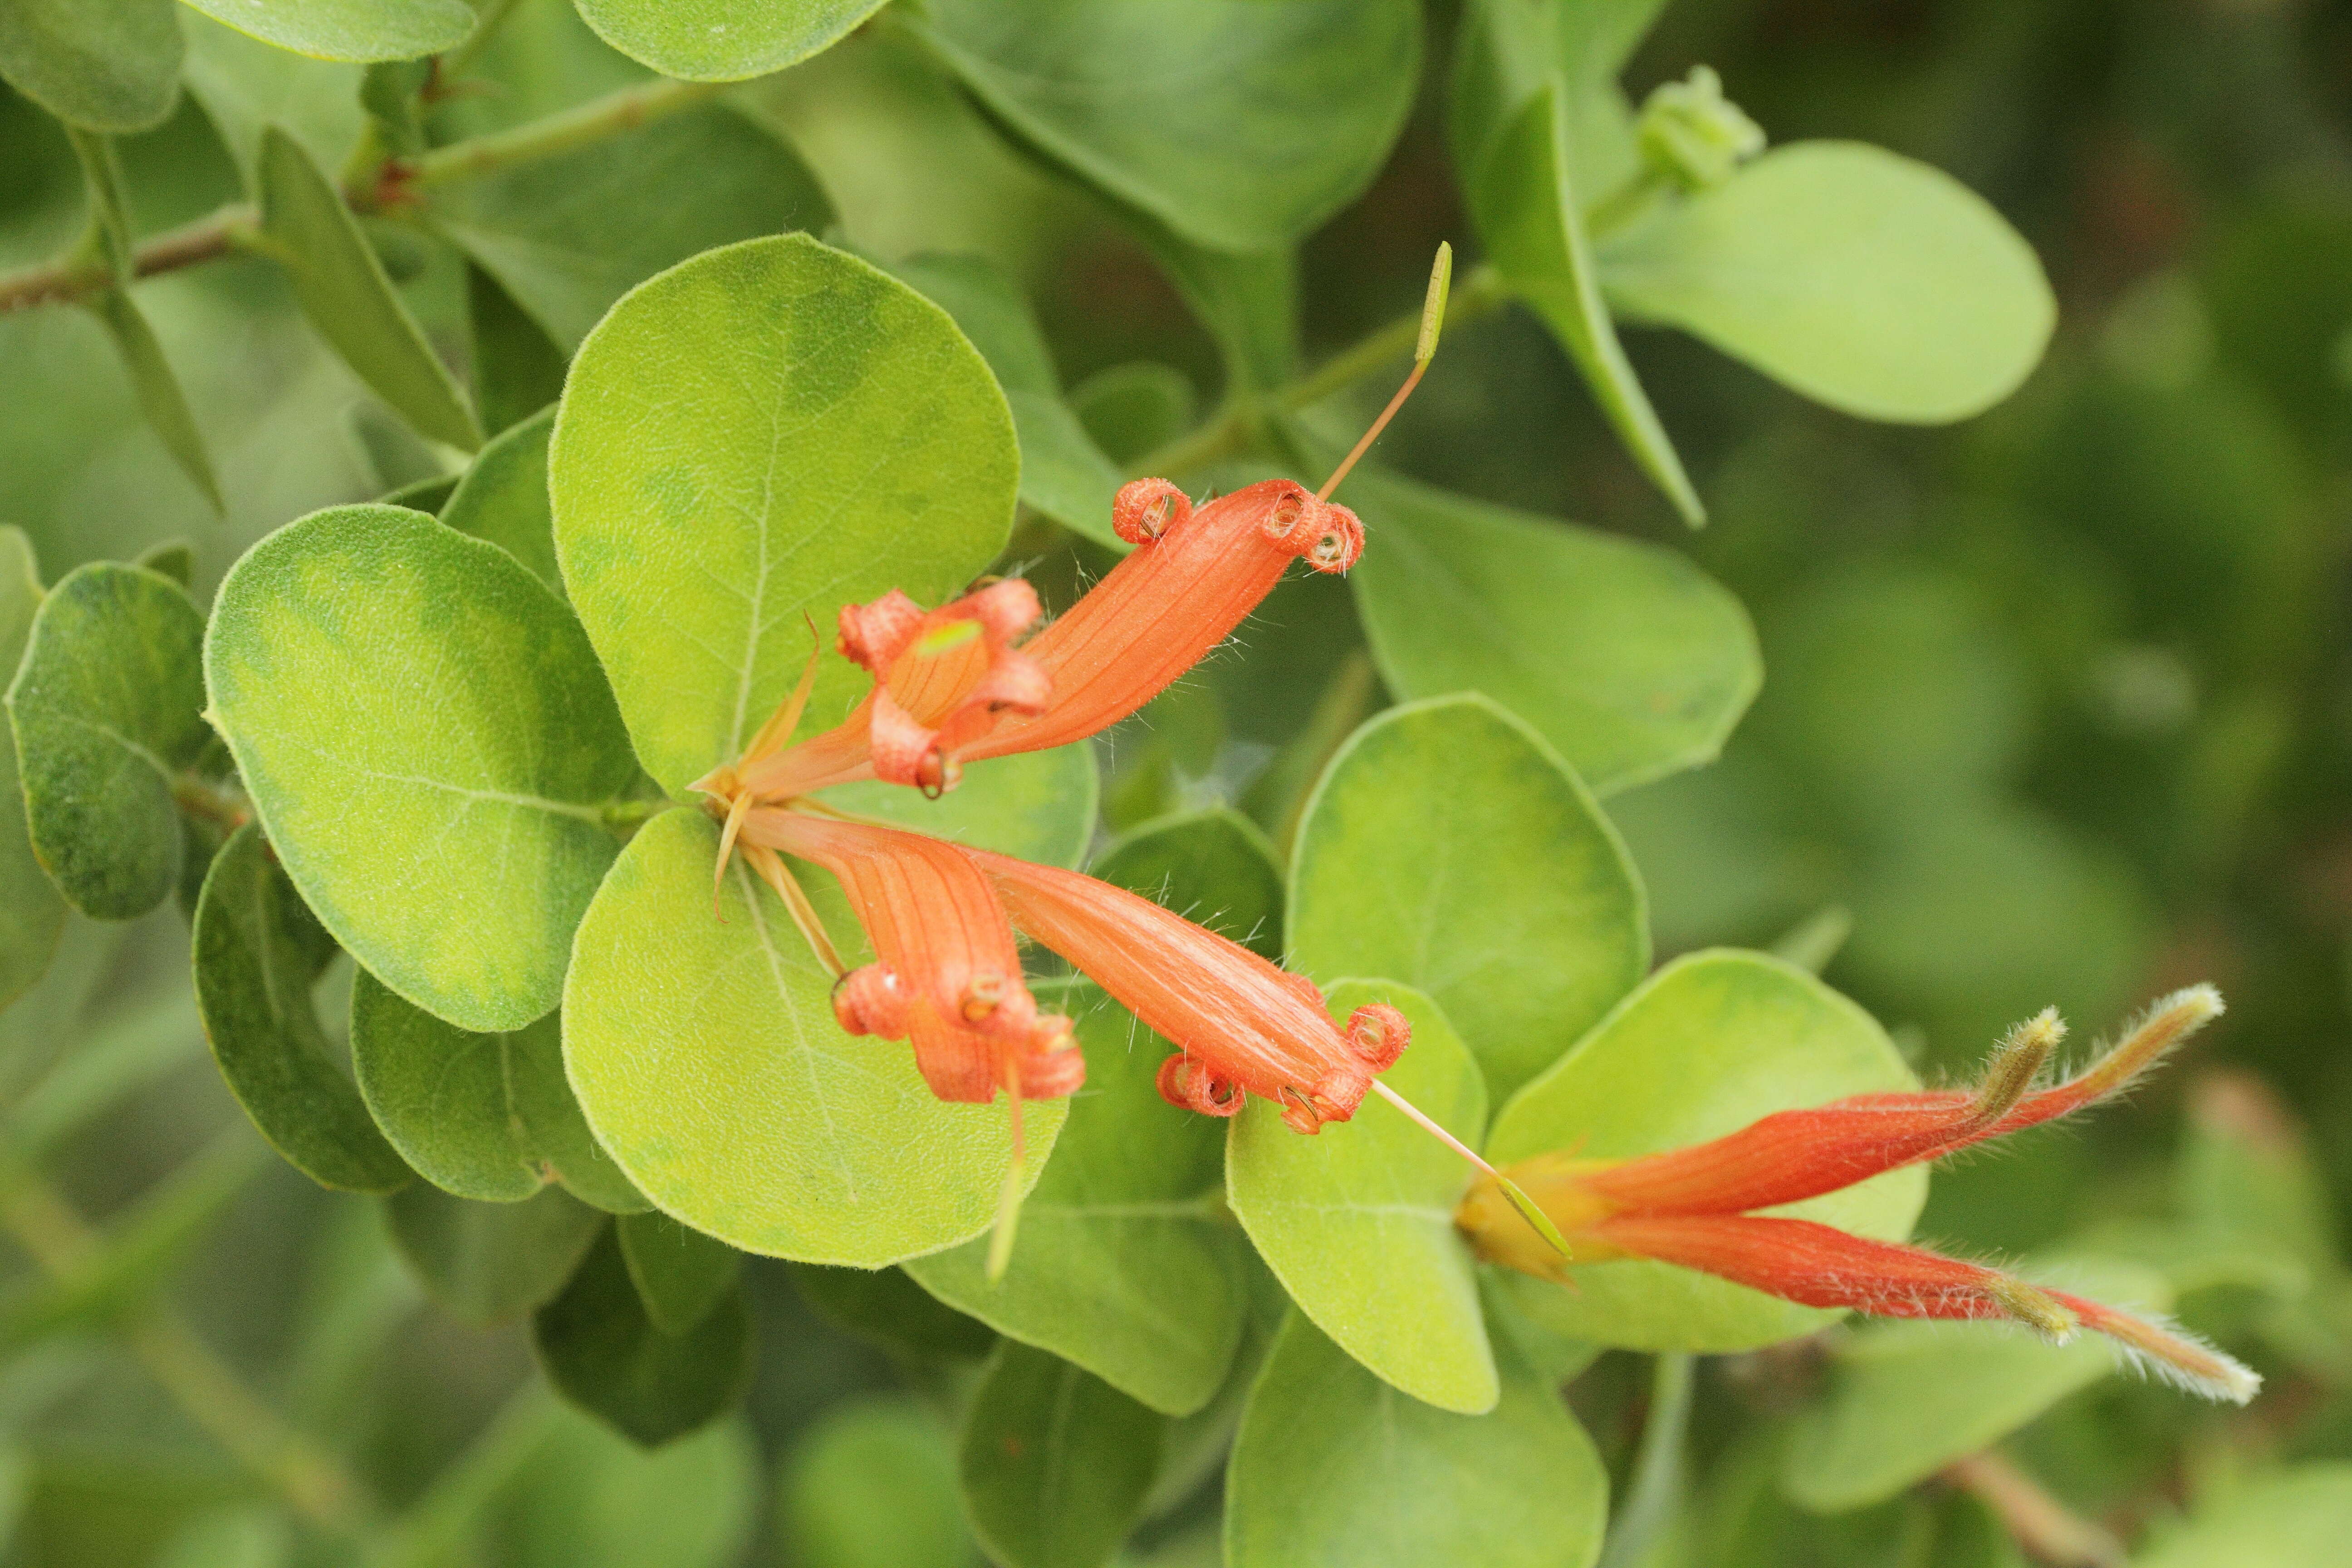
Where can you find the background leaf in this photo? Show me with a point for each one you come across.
(586, 1499)
(2296, 1514)
(502, 497)
(490, 1263)
(770, 429)
(112, 67)
(1704, 1047)
(427, 734)
(1877, 285)
(1055, 1462)
(157, 389)
(1122, 1263)
(1335, 1465)
(1447, 848)
(243, 85)
(1630, 661)
(885, 1307)
(258, 955)
(1358, 1221)
(705, 1053)
(722, 40)
(1214, 868)
(343, 290)
(680, 1275)
(872, 1484)
(1241, 125)
(32, 911)
(360, 30)
(604, 1353)
(482, 1116)
(106, 710)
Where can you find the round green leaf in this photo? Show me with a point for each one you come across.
(1214, 868)
(761, 434)
(358, 30)
(243, 85)
(114, 68)
(1708, 1045)
(1867, 282)
(568, 235)
(1055, 1462)
(1240, 124)
(259, 953)
(1122, 1263)
(587, 1499)
(1033, 805)
(873, 1485)
(426, 735)
(680, 1275)
(32, 914)
(1334, 1466)
(2297, 1515)
(1906, 1399)
(106, 709)
(704, 1050)
(604, 1353)
(1623, 655)
(1448, 848)
(484, 1116)
(502, 498)
(1358, 1221)
(722, 40)
(490, 1263)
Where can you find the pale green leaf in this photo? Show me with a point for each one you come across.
(483, 1116)
(1877, 285)
(1706, 1046)
(490, 1263)
(245, 85)
(568, 235)
(1214, 868)
(703, 1048)
(1526, 207)
(873, 1485)
(680, 1275)
(1449, 848)
(605, 1355)
(762, 434)
(343, 290)
(2296, 1517)
(1623, 655)
(157, 389)
(359, 30)
(1055, 1462)
(1335, 1466)
(1358, 1221)
(1905, 1400)
(1240, 124)
(175, 558)
(723, 40)
(426, 733)
(112, 66)
(587, 1499)
(106, 710)
(502, 497)
(1033, 805)
(32, 912)
(1122, 1263)
(258, 955)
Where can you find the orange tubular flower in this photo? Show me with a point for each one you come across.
(947, 974)
(1692, 1207)
(1241, 1026)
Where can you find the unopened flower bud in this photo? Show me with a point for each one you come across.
(1695, 136)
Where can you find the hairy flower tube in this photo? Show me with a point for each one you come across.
(1695, 1207)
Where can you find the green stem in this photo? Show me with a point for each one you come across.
(224, 805)
(1479, 294)
(1656, 1489)
(311, 1481)
(487, 19)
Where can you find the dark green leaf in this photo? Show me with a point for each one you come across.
(1240, 124)
(885, 1307)
(175, 558)
(1055, 1461)
(1135, 408)
(343, 290)
(32, 912)
(1449, 848)
(503, 498)
(428, 737)
(1333, 1466)
(1248, 303)
(1624, 655)
(106, 710)
(605, 1355)
(111, 67)
(1123, 1263)
(485, 1116)
(681, 1275)
(723, 40)
(568, 235)
(360, 30)
(517, 368)
(258, 955)
(873, 1485)
(490, 1263)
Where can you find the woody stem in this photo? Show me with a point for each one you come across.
(2046, 1528)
